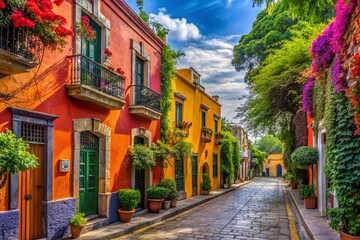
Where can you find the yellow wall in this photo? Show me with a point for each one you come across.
(192, 113)
(272, 161)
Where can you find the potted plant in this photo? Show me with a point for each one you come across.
(129, 199)
(172, 193)
(77, 223)
(155, 197)
(308, 193)
(293, 180)
(206, 184)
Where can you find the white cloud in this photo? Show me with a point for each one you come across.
(211, 57)
(229, 3)
(179, 29)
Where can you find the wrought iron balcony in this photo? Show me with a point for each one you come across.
(206, 134)
(94, 83)
(145, 102)
(18, 52)
(218, 138)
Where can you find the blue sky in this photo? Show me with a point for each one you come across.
(206, 31)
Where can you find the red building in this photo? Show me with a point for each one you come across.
(80, 118)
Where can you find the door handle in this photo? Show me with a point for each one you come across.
(38, 186)
(28, 197)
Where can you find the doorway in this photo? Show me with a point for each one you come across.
(194, 175)
(278, 170)
(140, 176)
(89, 173)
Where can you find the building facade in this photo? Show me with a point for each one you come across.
(242, 136)
(80, 119)
(193, 107)
(274, 166)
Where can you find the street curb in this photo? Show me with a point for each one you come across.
(300, 214)
(166, 215)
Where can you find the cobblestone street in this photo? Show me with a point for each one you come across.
(255, 211)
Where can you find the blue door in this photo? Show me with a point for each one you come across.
(278, 170)
(267, 172)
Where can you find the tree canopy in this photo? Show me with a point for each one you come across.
(269, 144)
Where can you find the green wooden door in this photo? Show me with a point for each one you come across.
(179, 175)
(140, 176)
(89, 174)
(194, 173)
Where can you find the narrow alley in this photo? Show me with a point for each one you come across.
(255, 211)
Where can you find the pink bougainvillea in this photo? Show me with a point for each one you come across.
(307, 96)
(338, 75)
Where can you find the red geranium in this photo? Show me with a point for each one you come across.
(2, 4)
(20, 21)
(107, 52)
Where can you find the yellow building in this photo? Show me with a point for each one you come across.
(274, 165)
(192, 105)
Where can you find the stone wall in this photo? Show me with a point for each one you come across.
(9, 225)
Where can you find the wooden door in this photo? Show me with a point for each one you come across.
(278, 170)
(31, 195)
(179, 175)
(194, 173)
(89, 174)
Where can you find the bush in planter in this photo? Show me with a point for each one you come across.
(307, 191)
(155, 197)
(129, 198)
(170, 185)
(156, 192)
(304, 157)
(206, 183)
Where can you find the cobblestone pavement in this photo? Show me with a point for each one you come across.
(255, 211)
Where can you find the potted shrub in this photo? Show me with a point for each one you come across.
(77, 223)
(172, 193)
(293, 180)
(304, 157)
(129, 199)
(155, 197)
(308, 193)
(206, 184)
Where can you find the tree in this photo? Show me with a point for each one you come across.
(258, 157)
(269, 144)
(309, 10)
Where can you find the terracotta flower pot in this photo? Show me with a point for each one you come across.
(205, 192)
(344, 236)
(310, 202)
(226, 185)
(293, 185)
(173, 203)
(76, 231)
(166, 204)
(241, 180)
(154, 205)
(125, 216)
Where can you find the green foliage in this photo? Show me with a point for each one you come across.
(267, 33)
(129, 198)
(279, 75)
(182, 150)
(156, 192)
(142, 157)
(225, 125)
(143, 15)
(236, 157)
(307, 191)
(343, 163)
(78, 220)
(304, 157)
(168, 68)
(309, 10)
(206, 183)
(227, 165)
(14, 156)
(258, 157)
(291, 177)
(170, 185)
(269, 144)
(163, 152)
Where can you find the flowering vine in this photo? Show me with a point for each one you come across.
(109, 66)
(307, 96)
(38, 17)
(84, 30)
(353, 93)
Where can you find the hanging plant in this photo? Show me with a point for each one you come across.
(14, 156)
(142, 157)
(84, 30)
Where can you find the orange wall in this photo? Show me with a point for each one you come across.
(43, 90)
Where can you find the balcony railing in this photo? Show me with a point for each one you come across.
(85, 71)
(18, 52)
(144, 96)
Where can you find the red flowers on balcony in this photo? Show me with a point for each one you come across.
(84, 29)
